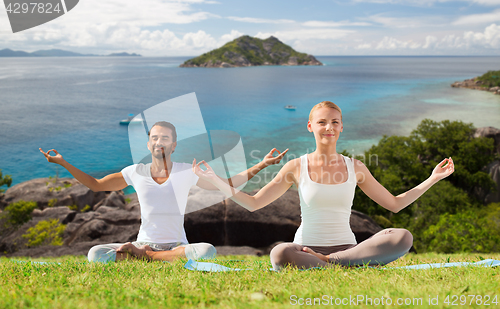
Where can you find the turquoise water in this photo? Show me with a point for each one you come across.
(75, 104)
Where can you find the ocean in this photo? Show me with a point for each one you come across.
(75, 105)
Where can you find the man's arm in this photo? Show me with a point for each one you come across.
(245, 176)
(112, 182)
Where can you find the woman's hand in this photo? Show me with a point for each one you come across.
(441, 172)
(270, 160)
(58, 159)
(207, 175)
(320, 256)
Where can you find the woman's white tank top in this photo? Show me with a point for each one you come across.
(325, 208)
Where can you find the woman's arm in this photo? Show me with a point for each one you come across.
(384, 198)
(273, 190)
(245, 176)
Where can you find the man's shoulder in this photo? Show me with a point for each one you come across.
(180, 166)
(139, 168)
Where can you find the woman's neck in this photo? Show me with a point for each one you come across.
(325, 153)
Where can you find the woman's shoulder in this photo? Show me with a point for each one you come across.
(291, 165)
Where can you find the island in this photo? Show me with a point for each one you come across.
(56, 53)
(489, 81)
(247, 51)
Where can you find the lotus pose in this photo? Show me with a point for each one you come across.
(326, 181)
(162, 188)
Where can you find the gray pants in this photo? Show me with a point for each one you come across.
(382, 248)
(107, 253)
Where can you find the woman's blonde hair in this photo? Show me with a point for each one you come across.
(325, 104)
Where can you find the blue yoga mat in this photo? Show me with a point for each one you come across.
(212, 267)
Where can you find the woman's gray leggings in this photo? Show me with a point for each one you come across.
(381, 248)
(107, 253)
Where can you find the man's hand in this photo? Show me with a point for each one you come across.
(137, 252)
(269, 159)
(58, 159)
(207, 175)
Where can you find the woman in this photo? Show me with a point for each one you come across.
(326, 181)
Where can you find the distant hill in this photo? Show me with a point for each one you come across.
(124, 55)
(53, 53)
(248, 51)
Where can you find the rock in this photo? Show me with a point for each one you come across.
(115, 199)
(12, 239)
(50, 192)
(493, 169)
(108, 224)
(490, 132)
(228, 224)
(243, 250)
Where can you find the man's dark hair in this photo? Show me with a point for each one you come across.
(166, 124)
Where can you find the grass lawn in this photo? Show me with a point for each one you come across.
(136, 284)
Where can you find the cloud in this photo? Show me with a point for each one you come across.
(306, 34)
(406, 22)
(319, 24)
(467, 43)
(423, 3)
(478, 18)
(389, 43)
(261, 20)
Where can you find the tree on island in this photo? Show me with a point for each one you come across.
(248, 51)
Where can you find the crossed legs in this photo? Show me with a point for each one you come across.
(382, 248)
(152, 252)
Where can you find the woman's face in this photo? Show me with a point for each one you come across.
(326, 124)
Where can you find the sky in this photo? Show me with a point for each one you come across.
(321, 28)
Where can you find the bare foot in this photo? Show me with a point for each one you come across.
(132, 251)
(318, 255)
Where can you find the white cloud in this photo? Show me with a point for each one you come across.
(364, 46)
(428, 2)
(319, 24)
(478, 18)
(469, 42)
(306, 34)
(261, 20)
(406, 22)
(389, 43)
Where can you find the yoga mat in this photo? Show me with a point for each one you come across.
(212, 267)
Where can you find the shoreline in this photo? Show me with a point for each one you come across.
(475, 84)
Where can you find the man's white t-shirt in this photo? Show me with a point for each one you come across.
(162, 205)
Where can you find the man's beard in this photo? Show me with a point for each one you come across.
(159, 155)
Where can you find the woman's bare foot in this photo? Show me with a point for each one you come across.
(318, 255)
(128, 250)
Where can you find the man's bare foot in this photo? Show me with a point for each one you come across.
(132, 251)
(318, 255)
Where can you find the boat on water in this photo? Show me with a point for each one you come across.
(290, 107)
(131, 119)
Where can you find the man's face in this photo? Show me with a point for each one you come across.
(160, 138)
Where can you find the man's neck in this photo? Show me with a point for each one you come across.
(161, 167)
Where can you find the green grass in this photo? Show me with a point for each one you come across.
(137, 284)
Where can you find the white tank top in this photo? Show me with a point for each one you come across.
(325, 209)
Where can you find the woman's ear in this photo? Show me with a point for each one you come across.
(309, 126)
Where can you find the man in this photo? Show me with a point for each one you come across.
(162, 188)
